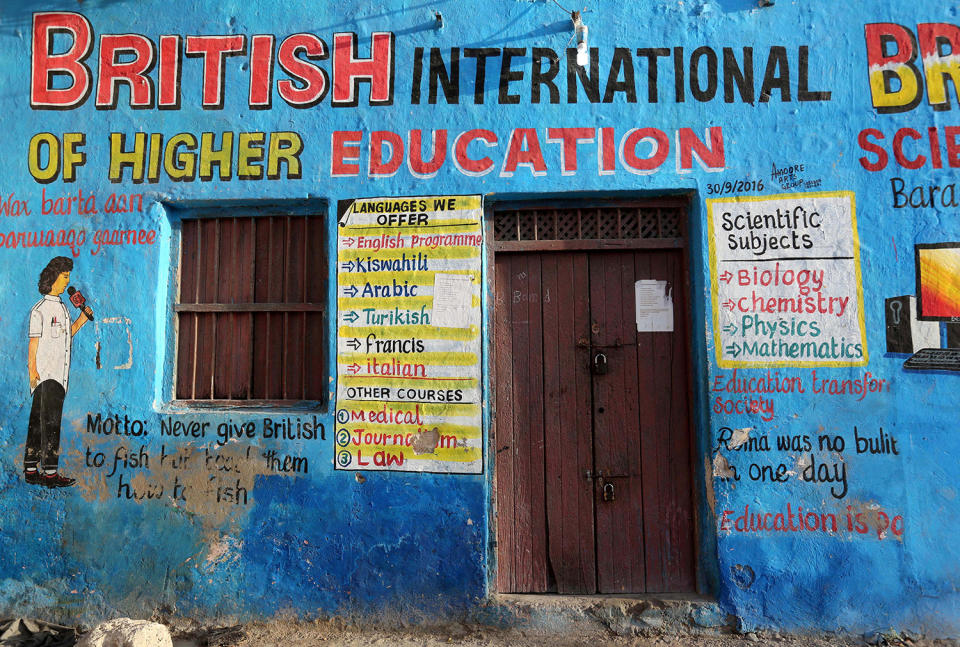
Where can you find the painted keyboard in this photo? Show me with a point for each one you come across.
(934, 359)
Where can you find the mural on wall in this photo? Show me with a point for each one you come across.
(50, 335)
(786, 281)
(821, 461)
(408, 340)
(913, 321)
(787, 293)
(831, 460)
(906, 65)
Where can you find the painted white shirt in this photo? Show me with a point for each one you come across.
(50, 322)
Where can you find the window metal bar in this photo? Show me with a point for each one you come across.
(213, 359)
(252, 356)
(304, 256)
(235, 292)
(216, 259)
(253, 297)
(249, 307)
(216, 282)
(267, 342)
(303, 326)
(196, 318)
(266, 357)
(196, 281)
(288, 246)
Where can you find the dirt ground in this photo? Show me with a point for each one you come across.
(313, 634)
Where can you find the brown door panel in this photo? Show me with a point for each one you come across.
(567, 431)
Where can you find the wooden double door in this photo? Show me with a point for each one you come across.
(592, 464)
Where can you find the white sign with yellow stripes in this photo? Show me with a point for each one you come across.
(408, 334)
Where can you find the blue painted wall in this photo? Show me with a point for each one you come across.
(417, 546)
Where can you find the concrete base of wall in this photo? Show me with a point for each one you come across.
(630, 615)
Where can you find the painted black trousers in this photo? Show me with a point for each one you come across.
(43, 434)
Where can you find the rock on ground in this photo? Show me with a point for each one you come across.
(125, 632)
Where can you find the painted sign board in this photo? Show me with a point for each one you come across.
(786, 281)
(408, 339)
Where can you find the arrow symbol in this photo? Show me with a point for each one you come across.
(347, 241)
(730, 328)
(350, 290)
(347, 267)
(726, 277)
(353, 343)
(733, 349)
(730, 305)
(350, 316)
(354, 368)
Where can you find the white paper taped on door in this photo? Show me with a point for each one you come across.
(654, 303)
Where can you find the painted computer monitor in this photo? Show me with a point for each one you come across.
(938, 281)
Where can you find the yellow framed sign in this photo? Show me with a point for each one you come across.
(785, 280)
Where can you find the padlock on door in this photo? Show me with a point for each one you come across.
(609, 492)
(599, 366)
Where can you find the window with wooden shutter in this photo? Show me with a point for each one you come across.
(250, 310)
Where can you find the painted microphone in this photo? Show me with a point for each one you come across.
(77, 299)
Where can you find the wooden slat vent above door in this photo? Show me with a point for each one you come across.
(596, 223)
